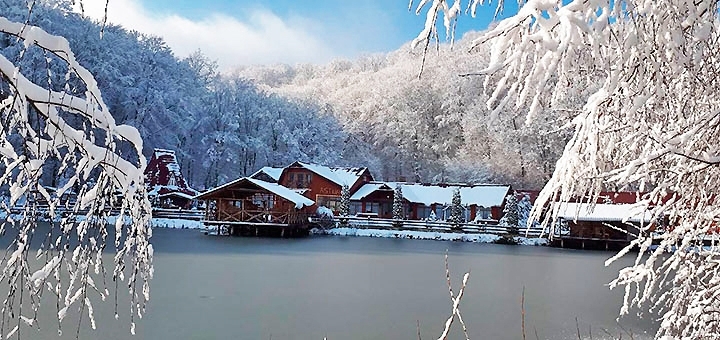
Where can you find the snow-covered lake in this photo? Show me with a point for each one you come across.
(209, 287)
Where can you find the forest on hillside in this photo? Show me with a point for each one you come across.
(377, 110)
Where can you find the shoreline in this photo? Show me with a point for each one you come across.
(430, 235)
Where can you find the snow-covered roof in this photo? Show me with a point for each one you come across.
(274, 173)
(367, 189)
(178, 194)
(337, 175)
(276, 189)
(479, 195)
(163, 173)
(603, 212)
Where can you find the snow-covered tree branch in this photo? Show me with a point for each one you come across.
(651, 126)
(58, 126)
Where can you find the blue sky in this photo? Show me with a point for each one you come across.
(243, 32)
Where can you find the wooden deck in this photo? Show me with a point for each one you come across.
(242, 218)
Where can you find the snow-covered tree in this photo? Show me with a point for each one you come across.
(524, 210)
(398, 211)
(650, 126)
(344, 208)
(66, 122)
(457, 211)
(511, 214)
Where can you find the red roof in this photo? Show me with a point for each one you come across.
(163, 175)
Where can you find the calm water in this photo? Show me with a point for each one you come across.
(362, 288)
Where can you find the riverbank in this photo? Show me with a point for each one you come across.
(171, 223)
(382, 233)
(430, 235)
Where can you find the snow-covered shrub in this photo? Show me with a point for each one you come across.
(324, 212)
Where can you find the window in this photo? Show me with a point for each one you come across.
(482, 213)
(263, 201)
(355, 207)
(372, 207)
(299, 180)
(423, 211)
(331, 202)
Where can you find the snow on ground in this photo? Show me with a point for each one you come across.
(174, 223)
(426, 235)
(155, 222)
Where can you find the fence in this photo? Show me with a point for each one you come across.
(484, 227)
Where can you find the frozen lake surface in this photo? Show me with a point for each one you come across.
(208, 287)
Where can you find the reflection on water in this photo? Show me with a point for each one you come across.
(209, 287)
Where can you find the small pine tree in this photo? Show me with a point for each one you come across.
(344, 209)
(457, 211)
(511, 216)
(398, 211)
(524, 207)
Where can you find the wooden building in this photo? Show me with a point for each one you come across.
(323, 184)
(430, 201)
(268, 174)
(166, 185)
(248, 206)
(599, 226)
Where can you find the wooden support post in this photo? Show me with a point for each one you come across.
(562, 243)
(583, 244)
(282, 232)
(606, 244)
(256, 231)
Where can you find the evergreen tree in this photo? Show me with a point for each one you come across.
(398, 211)
(511, 215)
(524, 207)
(344, 208)
(457, 211)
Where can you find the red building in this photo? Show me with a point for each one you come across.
(323, 184)
(166, 185)
(426, 201)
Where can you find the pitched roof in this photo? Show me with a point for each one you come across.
(276, 189)
(338, 175)
(163, 173)
(480, 195)
(603, 212)
(274, 173)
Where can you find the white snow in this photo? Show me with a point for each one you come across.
(175, 223)
(324, 211)
(276, 189)
(369, 188)
(339, 176)
(603, 212)
(178, 194)
(425, 235)
(274, 173)
(479, 195)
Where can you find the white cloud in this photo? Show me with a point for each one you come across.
(263, 38)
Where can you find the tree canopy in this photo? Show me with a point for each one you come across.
(650, 126)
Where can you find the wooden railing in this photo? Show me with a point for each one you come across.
(260, 216)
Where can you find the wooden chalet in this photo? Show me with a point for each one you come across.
(268, 174)
(599, 226)
(426, 201)
(323, 184)
(166, 185)
(248, 206)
